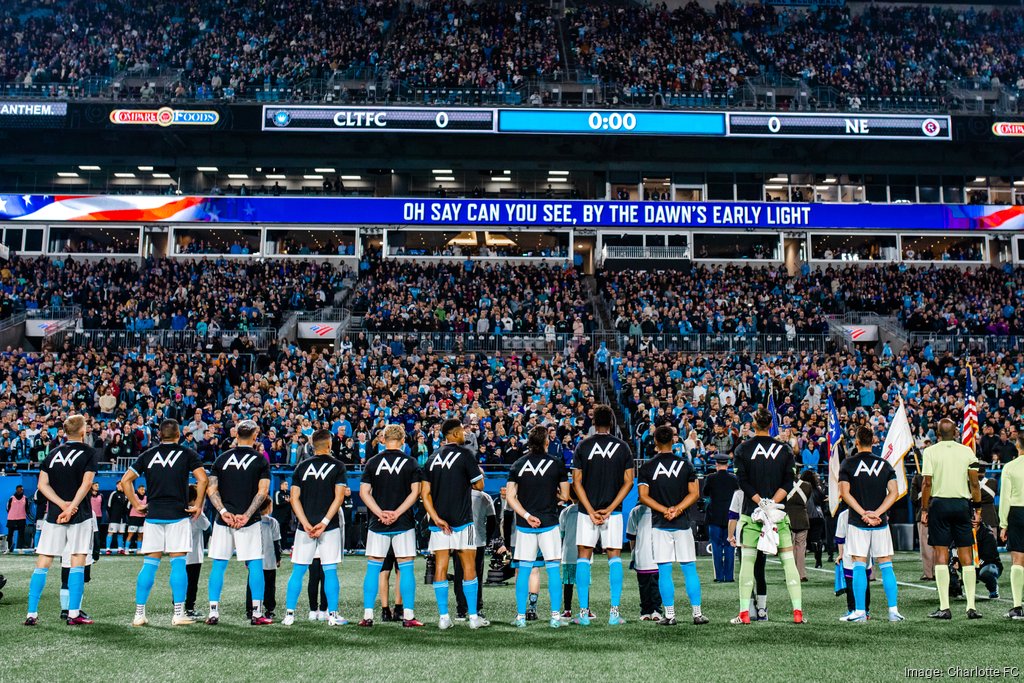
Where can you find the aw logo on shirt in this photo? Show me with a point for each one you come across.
(538, 470)
(446, 461)
(769, 453)
(874, 469)
(391, 467)
(672, 471)
(168, 460)
(66, 459)
(607, 452)
(239, 464)
(320, 472)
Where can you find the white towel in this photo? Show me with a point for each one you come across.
(768, 543)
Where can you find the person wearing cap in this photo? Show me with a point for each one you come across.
(719, 487)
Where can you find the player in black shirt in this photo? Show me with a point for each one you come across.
(117, 519)
(602, 476)
(168, 529)
(719, 488)
(764, 468)
(65, 479)
(536, 483)
(318, 492)
(452, 474)
(239, 484)
(389, 489)
(668, 486)
(868, 486)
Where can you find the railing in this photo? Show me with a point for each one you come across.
(959, 344)
(729, 343)
(646, 252)
(172, 340)
(54, 313)
(12, 321)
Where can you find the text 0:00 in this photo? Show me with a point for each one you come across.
(614, 121)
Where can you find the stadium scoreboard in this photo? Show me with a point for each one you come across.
(604, 122)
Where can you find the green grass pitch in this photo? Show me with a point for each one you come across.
(823, 649)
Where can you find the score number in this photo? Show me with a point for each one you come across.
(613, 121)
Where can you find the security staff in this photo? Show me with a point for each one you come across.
(719, 487)
(1011, 519)
(949, 492)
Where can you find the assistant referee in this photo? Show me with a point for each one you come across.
(1011, 519)
(948, 494)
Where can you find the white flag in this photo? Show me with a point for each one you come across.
(898, 442)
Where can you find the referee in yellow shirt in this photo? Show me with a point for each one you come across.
(1011, 519)
(948, 494)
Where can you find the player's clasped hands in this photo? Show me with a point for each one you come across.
(871, 518)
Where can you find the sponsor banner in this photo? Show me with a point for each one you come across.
(39, 327)
(861, 333)
(32, 114)
(507, 212)
(321, 331)
(378, 120)
(164, 117)
(1008, 129)
(840, 126)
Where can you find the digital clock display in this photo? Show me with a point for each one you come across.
(591, 122)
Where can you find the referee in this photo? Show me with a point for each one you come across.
(950, 497)
(1011, 519)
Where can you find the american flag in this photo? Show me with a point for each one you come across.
(970, 431)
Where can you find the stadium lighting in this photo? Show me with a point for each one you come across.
(207, 169)
(162, 175)
(145, 168)
(324, 170)
(124, 175)
(67, 174)
(88, 168)
(558, 173)
(1018, 183)
(507, 172)
(979, 179)
(238, 176)
(276, 176)
(558, 180)
(778, 179)
(774, 187)
(445, 178)
(313, 176)
(351, 177)
(831, 180)
(442, 171)
(500, 179)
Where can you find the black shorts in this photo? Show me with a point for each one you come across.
(1015, 530)
(389, 561)
(949, 523)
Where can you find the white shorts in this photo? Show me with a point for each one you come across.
(547, 543)
(456, 540)
(404, 544)
(875, 542)
(673, 546)
(134, 528)
(169, 537)
(247, 542)
(117, 528)
(609, 533)
(56, 539)
(305, 549)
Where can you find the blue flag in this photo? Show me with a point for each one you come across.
(835, 438)
(774, 431)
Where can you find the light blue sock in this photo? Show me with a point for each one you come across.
(371, 583)
(120, 541)
(295, 585)
(666, 586)
(523, 586)
(216, 584)
(554, 584)
(76, 588)
(583, 582)
(147, 576)
(615, 581)
(331, 585)
(110, 539)
(35, 588)
(407, 582)
(441, 593)
(256, 582)
(179, 579)
(860, 585)
(471, 590)
(65, 597)
(692, 583)
(889, 583)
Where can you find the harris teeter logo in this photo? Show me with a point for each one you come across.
(164, 117)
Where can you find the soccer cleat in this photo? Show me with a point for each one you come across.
(321, 616)
(396, 613)
(668, 621)
(944, 614)
(411, 623)
(444, 623)
(336, 620)
(365, 623)
(312, 615)
(857, 618)
(555, 623)
(212, 620)
(994, 595)
(896, 616)
(762, 614)
(1015, 613)
(584, 618)
(700, 620)
(567, 615)
(183, 620)
(139, 620)
(742, 618)
(478, 622)
(385, 614)
(798, 617)
(80, 620)
(64, 615)
(973, 614)
(288, 620)
(31, 621)
(846, 617)
(261, 621)
(614, 619)
(519, 622)
(193, 614)
(461, 616)
(531, 614)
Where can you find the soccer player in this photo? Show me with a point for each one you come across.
(389, 489)
(168, 527)
(452, 475)
(668, 486)
(1011, 521)
(602, 476)
(65, 479)
(318, 492)
(867, 485)
(239, 484)
(117, 516)
(764, 468)
(536, 482)
(948, 492)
